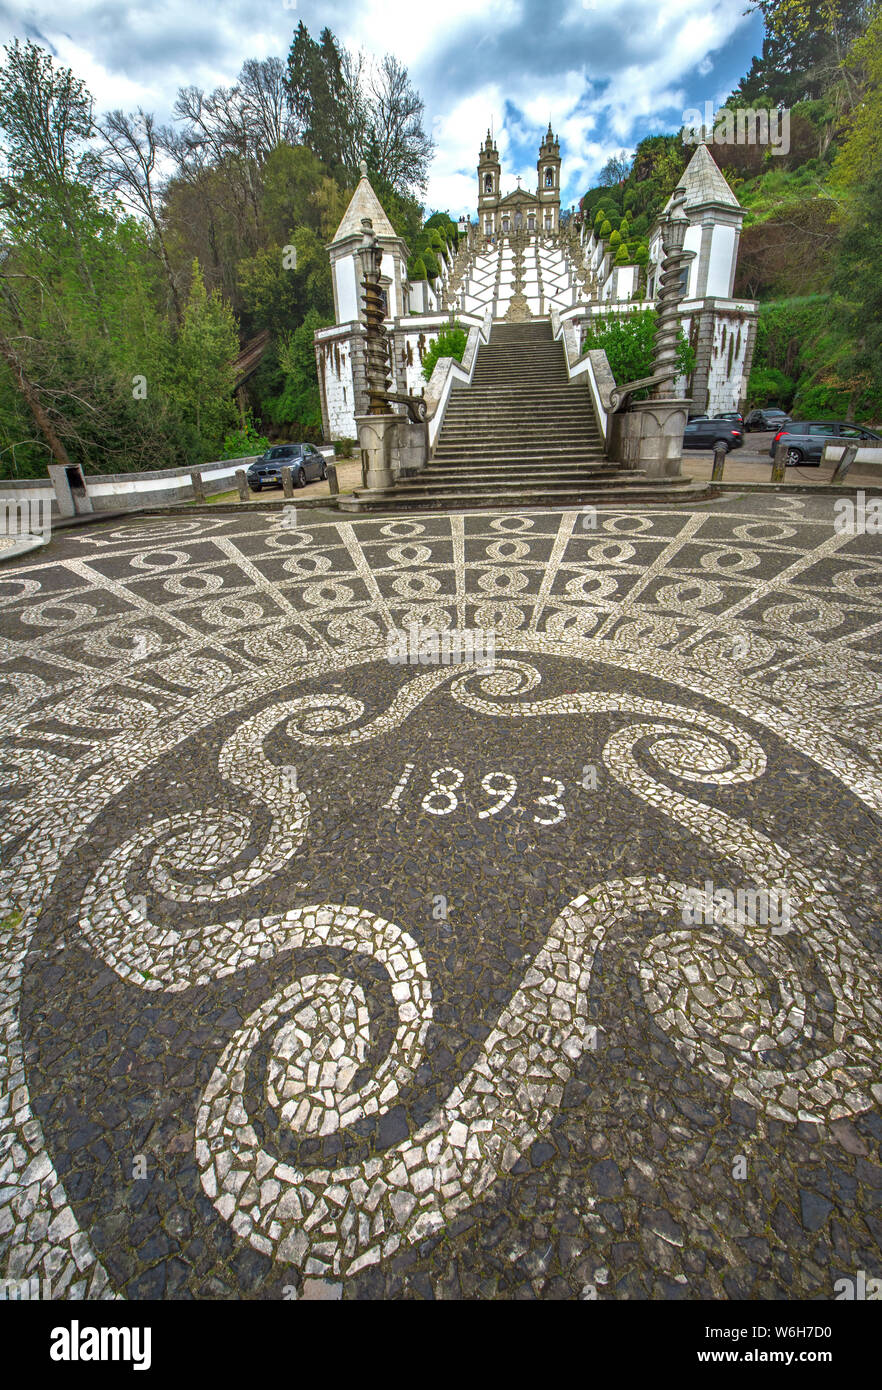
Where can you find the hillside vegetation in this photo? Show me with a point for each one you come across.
(136, 261)
(811, 247)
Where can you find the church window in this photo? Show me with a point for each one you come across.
(488, 184)
(505, 224)
(531, 222)
(549, 178)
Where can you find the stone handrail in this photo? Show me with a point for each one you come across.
(447, 371)
(593, 366)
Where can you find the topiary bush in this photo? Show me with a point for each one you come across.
(623, 256)
(433, 270)
(416, 269)
(605, 229)
(615, 240)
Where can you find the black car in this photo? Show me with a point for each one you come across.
(704, 434)
(304, 460)
(768, 418)
(805, 439)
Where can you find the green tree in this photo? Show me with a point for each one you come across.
(298, 191)
(46, 119)
(861, 150)
(857, 289)
(276, 293)
(298, 404)
(206, 350)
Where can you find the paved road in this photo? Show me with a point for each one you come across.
(327, 976)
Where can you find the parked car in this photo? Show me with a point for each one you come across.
(304, 460)
(768, 418)
(805, 439)
(704, 434)
(721, 415)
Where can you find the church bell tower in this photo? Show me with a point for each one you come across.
(548, 167)
(489, 173)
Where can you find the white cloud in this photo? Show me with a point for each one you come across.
(603, 73)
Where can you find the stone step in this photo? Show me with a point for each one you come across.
(533, 412)
(478, 476)
(504, 450)
(576, 448)
(468, 430)
(555, 389)
(544, 356)
(473, 431)
(535, 497)
(555, 374)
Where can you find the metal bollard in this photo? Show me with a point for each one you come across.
(333, 485)
(242, 484)
(779, 466)
(287, 482)
(198, 486)
(720, 452)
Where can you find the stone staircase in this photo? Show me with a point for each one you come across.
(520, 436)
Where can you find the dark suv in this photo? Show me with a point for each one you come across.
(704, 434)
(768, 418)
(805, 439)
(305, 462)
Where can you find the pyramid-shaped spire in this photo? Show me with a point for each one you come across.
(704, 183)
(364, 203)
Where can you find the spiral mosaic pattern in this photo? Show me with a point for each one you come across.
(309, 960)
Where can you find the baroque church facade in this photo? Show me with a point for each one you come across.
(517, 261)
(501, 214)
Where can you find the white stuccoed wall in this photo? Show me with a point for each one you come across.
(340, 393)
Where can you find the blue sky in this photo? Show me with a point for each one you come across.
(605, 72)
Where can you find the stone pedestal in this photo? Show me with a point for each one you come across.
(409, 447)
(391, 447)
(649, 436)
(374, 443)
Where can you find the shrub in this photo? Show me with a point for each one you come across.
(627, 340)
(244, 442)
(605, 229)
(769, 386)
(623, 256)
(819, 401)
(615, 240)
(343, 448)
(433, 270)
(417, 269)
(451, 342)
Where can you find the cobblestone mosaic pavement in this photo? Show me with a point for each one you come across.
(327, 976)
